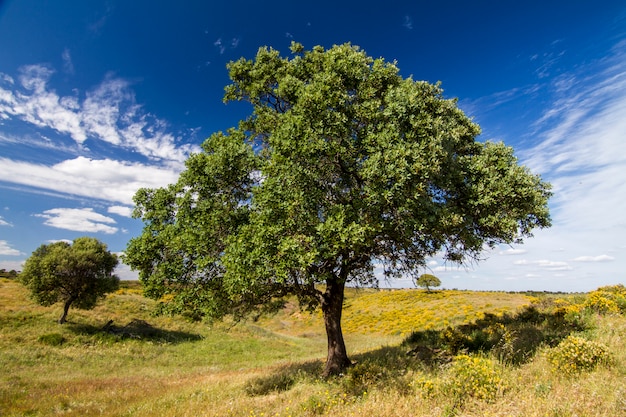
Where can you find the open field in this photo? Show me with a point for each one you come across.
(445, 353)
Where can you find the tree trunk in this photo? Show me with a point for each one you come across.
(337, 360)
(66, 308)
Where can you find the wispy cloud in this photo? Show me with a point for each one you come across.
(548, 60)
(547, 264)
(599, 258)
(7, 250)
(407, 22)
(68, 65)
(222, 45)
(101, 20)
(219, 45)
(4, 222)
(80, 220)
(583, 151)
(103, 179)
(108, 113)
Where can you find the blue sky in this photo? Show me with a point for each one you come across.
(100, 98)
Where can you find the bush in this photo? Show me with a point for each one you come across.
(575, 354)
(363, 376)
(607, 300)
(279, 382)
(473, 376)
(52, 339)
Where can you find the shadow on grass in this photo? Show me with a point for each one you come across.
(512, 339)
(135, 329)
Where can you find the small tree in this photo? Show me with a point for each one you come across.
(343, 165)
(427, 281)
(78, 274)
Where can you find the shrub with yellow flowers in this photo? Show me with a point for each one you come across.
(474, 376)
(607, 300)
(576, 354)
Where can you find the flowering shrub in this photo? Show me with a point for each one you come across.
(575, 354)
(426, 386)
(453, 339)
(473, 376)
(607, 300)
(602, 303)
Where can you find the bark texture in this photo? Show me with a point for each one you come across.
(337, 360)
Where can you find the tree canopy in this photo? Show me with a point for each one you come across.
(343, 167)
(427, 281)
(78, 274)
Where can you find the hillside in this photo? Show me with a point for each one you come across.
(416, 353)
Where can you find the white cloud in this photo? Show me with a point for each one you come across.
(124, 272)
(546, 264)
(16, 265)
(449, 268)
(60, 240)
(600, 258)
(4, 222)
(108, 113)
(513, 251)
(6, 249)
(121, 210)
(102, 179)
(80, 220)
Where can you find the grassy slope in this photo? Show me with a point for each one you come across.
(270, 367)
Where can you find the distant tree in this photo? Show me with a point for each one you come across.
(427, 281)
(78, 274)
(342, 166)
(12, 274)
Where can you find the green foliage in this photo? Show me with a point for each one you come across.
(343, 165)
(78, 274)
(575, 354)
(428, 281)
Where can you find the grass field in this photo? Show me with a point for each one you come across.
(444, 353)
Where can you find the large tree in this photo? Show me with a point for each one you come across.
(77, 274)
(342, 167)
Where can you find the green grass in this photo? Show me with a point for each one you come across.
(444, 353)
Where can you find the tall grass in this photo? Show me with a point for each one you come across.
(449, 353)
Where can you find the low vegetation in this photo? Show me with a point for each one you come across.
(416, 353)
